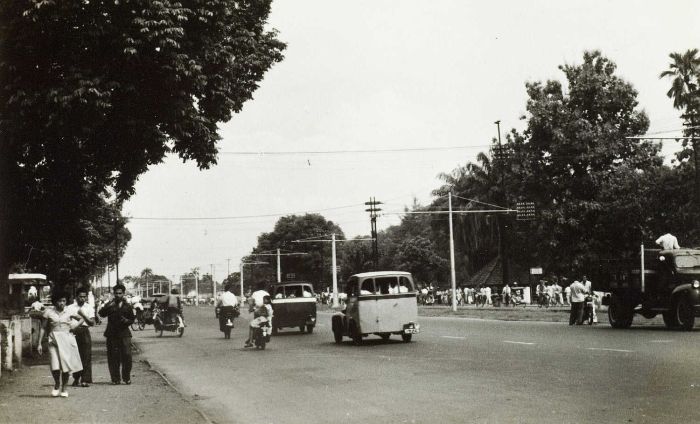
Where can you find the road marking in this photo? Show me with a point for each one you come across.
(454, 337)
(610, 350)
(660, 341)
(523, 343)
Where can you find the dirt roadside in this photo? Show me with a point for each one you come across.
(25, 395)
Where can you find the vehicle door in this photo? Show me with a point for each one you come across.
(367, 306)
(352, 290)
(279, 306)
(295, 305)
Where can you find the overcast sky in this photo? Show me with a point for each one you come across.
(374, 75)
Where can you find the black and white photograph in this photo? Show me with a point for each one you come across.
(351, 212)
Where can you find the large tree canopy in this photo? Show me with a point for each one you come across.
(93, 92)
(315, 266)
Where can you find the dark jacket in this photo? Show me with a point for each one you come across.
(118, 319)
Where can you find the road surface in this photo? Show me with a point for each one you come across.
(455, 370)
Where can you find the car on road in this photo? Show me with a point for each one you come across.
(293, 305)
(665, 282)
(382, 303)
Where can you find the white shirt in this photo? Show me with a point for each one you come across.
(228, 299)
(668, 242)
(88, 310)
(578, 292)
(258, 296)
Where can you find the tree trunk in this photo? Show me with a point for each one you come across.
(8, 226)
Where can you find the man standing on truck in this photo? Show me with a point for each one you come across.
(578, 297)
(668, 242)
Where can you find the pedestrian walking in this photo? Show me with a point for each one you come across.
(119, 316)
(82, 308)
(578, 297)
(63, 349)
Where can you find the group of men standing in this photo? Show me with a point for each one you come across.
(578, 292)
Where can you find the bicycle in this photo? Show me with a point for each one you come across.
(139, 320)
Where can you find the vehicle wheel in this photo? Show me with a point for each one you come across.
(262, 343)
(620, 314)
(181, 331)
(338, 335)
(302, 328)
(406, 338)
(142, 324)
(355, 334)
(684, 314)
(670, 319)
(385, 337)
(135, 326)
(309, 329)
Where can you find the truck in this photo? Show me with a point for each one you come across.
(665, 282)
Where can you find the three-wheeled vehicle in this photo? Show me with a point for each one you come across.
(166, 316)
(293, 305)
(381, 303)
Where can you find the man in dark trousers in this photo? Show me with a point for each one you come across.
(82, 336)
(119, 316)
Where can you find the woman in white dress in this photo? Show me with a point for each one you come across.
(63, 349)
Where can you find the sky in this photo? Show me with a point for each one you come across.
(385, 75)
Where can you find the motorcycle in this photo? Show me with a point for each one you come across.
(162, 320)
(226, 315)
(261, 335)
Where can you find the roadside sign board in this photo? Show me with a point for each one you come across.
(536, 271)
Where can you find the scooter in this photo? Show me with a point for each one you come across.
(261, 335)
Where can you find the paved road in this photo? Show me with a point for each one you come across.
(456, 370)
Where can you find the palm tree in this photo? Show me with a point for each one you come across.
(146, 276)
(684, 70)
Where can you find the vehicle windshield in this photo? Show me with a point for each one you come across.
(688, 261)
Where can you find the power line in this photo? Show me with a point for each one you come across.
(335, 152)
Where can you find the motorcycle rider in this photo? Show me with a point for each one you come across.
(261, 314)
(227, 304)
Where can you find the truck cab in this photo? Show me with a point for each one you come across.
(665, 282)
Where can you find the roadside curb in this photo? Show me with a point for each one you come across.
(178, 391)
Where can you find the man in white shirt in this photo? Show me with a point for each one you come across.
(578, 296)
(82, 336)
(227, 306)
(668, 242)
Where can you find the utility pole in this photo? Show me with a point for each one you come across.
(213, 282)
(196, 290)
(452, 257)
(228, 267)
(373, 209)
(279, 267)
(501, 155)
(334, 271)
(116, 249)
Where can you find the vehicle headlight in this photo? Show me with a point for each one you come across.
(696, 284)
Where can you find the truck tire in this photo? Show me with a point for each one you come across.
(620, 314)
(683, 311)
(670, 320)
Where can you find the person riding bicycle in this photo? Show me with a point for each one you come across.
(261, 314)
